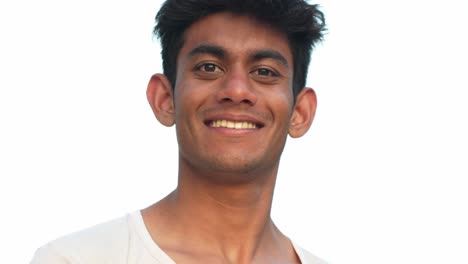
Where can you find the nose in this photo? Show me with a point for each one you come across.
(237, 89)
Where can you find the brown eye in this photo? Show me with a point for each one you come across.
(209, 67)
(208, 70)
(265, 72)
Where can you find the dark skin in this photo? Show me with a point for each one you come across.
(233, 108)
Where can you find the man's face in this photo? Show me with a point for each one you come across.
(233, 95)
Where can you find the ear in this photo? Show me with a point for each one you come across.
(160, 97)
(303, 112)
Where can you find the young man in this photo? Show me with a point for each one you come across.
(233, 84)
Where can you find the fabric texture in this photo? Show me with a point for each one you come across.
(121, 241)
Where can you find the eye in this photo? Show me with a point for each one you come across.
(264, 72)
(208, 70)
(208, 67)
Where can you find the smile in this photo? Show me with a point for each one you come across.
(233, 125)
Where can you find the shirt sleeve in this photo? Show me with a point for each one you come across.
(48, 255)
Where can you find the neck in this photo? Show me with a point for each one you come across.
(232, 219)
(236, 211)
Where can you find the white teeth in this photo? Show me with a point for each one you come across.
(234, 125)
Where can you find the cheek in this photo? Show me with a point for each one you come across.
(281, 103)
(190, 96)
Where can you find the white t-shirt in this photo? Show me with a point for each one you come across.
(121, 241)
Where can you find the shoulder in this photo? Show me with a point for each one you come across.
(103, 243)
(307, 257)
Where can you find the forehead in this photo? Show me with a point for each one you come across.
(237, 34)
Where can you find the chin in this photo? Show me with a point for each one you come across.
(230, 166)
(239, 167)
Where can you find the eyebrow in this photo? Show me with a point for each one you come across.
(216, 51)
(221, 53)
(270, 54)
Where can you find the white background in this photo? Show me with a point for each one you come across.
(380, 178)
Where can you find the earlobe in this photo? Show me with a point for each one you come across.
(303, 113)
(160, 98)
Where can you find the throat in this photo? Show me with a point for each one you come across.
(213, 229)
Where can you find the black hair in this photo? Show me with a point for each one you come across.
(302, 23)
